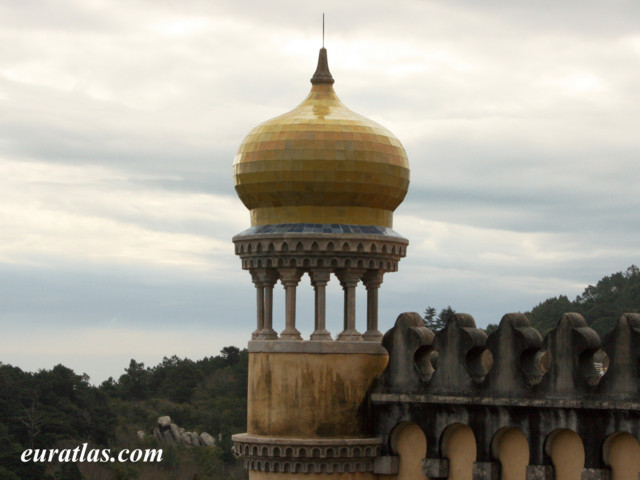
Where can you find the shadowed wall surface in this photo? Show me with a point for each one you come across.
(310, 395)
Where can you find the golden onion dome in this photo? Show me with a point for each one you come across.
(321, 163)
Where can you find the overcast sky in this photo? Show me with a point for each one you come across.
(119, 121)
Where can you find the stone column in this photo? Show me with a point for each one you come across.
(349, 278)
(267, 278)
(290, 277)
(259, 303)
(372, 281)
(319, 279)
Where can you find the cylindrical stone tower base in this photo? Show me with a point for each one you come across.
(305, 410)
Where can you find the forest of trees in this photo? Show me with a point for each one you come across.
(59, 409)
(601, 305)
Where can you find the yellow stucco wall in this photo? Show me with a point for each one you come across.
(567, 453)
(459, 446)
(411, 444)
(309, 396)
(513, 453)
(622, 453)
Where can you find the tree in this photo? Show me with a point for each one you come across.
(135, 382)
(231, 355)
(437, 322)
(492, 327)
(546, 315)
(601, 304)
(445, 315)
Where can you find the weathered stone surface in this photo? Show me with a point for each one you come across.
(168, 437)
(435, 467)
(596, 474)
(571, 345)
(194, 438)
(307, 455)
(164, 422)
(515, 347)
(207, 439)
(622, 345)
(170, 433)
(460, 346)
(486, 471)
(539, 472)
(387, 465)
(175, 432)
(567, 397)
(409, 344)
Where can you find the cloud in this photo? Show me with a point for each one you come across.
(120, 121)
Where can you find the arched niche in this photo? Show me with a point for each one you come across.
(459, 445)
(621, 451)
(510, 446)
(567, 454)
(410, 444)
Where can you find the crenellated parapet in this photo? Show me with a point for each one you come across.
(514, 378)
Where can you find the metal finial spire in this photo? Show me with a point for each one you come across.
(322, 74)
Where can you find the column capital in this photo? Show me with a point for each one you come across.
(349, 277)
(372, 278)
(290, 276)
(266, 276)
(254, 276)
(320, 276)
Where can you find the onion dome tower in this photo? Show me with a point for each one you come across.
(321, 183)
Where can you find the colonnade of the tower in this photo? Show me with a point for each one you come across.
(265, 280)
(352, 259)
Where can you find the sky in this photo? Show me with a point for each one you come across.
(119, 121)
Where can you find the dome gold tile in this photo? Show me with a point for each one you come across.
(321, 163)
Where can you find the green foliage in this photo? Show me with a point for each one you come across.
(545, 315)
(492, 327)
(601, 305)
(68, 471)
(437, 321)
(210, 463)
(56, 408)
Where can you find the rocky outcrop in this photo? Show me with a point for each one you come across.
(170, 434)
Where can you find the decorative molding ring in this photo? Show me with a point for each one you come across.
(295, 455)
(380, 252)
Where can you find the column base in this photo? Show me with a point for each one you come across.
(267, 334)
(350, 336)
(321, 335)
(486, 471)
(291, 334)
(540, 472)
(372, 336)
(435, 467)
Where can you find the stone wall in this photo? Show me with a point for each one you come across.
(458, 385)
